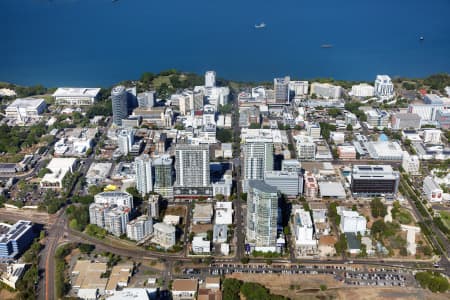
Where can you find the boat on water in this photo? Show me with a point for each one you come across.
(421, 38)
(260, 25)
(326, 46)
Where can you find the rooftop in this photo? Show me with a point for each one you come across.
(76, 92)
(262, 186)
(185, 285)
(26, 103)
(88, 275)
(331, 189)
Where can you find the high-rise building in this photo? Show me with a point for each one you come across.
(262, 216)
(119, 104)
(288, 183)
(125, 140)
(113, 218)
(192, 165)
(146, 99)
(114, 198)
(258, 158)
(139, 228)
(153, 206)
(304, 229)
(384, 88)
(198, 100)
(210, 79)
(144, 180)
(281, 87)
(298, 88)
(163, 174)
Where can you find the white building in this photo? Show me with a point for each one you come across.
(427, 112)
(432, 190)
(200, 245)
(288, 183)
(114, 198)
(153, 206)
(125, 141)
(139, 228)
(192, 165)
(385, 150)
(432, 136)
(146, 99)
(306, 148)
(384, 88)
(377, 118)
(164, 235)
(224, 213)
(352, 221)
(75, 96)
(184, 289)
(362, 90)
(304, 229)
(258, 158)
(210, 79)
(144, 180)
(112, 218)
(12, 274)
(313, 130)
(202, 213)
(24, 108)
(59, 167)
(299, 88)
(411, 163)
(326, 90)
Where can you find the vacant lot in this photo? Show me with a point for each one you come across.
(445, 216)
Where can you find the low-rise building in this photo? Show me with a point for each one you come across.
(352, 221)
(98, 172)
(75, 96)
(120, 277)
(346, 152)
(220, 233)
(432, 190)
(202, 214)
(10, 274)
(406, 121)
(288, 183)
(382, 150)
(184, 289)
(58, 167)
(411, 163)
(311, 186)
(201, 245)
(306, 148)
(25, 108)
(332, 190)
(224, 213)
(87, 280)
(326, 90)
(362, 90)
(304, 231)
(164, 235)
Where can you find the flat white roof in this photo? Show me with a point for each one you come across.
(26, 103)
(59, 163)
(76, 92)
(331, 189)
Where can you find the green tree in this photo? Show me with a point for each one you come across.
(377, 207)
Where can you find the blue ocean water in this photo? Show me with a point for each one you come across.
(100, 42)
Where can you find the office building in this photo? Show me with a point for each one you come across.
(139, 228)
(153, 206)
(288, 183)
(262, 216)
(377, 118)
(16, 239)
(384, 88)
(192, 165)
(304, 230)
(224, 213)
(384, 150)
(332, 189)
(443, 118)
(281, 88)
(291, 165)
(374, 180)
(119, 104)
(125, 140)
(146, 99)
(432, 190)
(163, 175)
(362, 90)
(298, 88)
(210, 79)
(313, 130)
(306, 148)
(405, 121)
(24, 108)
(59, 168)
(432, 136)
(164, 235)
(427, 112)
(346, 152)
(326, 90)
(411, 163)
(144, 180)
(258, 158)
(352, 221)
(75, 96)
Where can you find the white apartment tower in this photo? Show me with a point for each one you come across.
(139, 228)
(192, 165)
(125, 141)
(384, 88)
(144, 178)
(210, 79)
(258, 158)
(262, 216)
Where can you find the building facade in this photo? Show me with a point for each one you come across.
(281, 88)
(119, 104)
(163, 175)
(384, 88)
(262, 216)
(374, 180)
(76, 96)
(432, 190)
(144, 178)
(258, 158)
(139, 228)
(362, 90)
(16, 239)
(192, 165)
(288, 183)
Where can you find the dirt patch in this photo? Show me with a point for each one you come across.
(177, 210)
(7, 295)
(370, 293)
(199, 228)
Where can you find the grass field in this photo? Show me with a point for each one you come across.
(445, 216)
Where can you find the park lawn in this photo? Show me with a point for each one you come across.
(445, 217)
